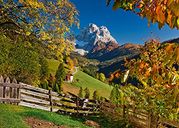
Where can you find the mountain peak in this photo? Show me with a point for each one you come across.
(94, 35)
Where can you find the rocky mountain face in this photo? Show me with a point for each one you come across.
(101, 45)
(96, 38)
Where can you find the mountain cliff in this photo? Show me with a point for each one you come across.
(96, 39)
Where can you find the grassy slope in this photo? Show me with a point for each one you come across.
(53, 65)
(93, 84)
(12, 116)
(84, 81)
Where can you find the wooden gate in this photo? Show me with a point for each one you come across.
(9, 91)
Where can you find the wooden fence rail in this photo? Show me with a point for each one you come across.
(139, 118)
(34, 97)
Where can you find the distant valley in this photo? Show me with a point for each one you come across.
(101, 46)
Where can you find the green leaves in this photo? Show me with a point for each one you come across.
(49, 21)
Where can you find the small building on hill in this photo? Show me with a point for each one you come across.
(69, 78)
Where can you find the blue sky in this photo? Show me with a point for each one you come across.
(124, 26)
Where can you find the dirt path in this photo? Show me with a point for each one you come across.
(76, 70)
(37, 123)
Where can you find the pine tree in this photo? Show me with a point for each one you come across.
(102, 77)
(60, 74)
(44, 84)
(87, 93)
(80, 94)
(115, 95)
(44, 70)
(51, 81)
(56, 88)
(95, 95)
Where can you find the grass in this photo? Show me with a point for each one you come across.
(12, 116)
(83, 80)
(53, 65)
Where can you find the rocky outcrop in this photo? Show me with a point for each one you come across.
(96, 38)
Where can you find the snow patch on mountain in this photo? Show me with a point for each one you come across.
(93, 35)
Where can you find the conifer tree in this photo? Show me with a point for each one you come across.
(115, 94)
(80, 94)
(95, 95)
(87, 93)
(60, 74)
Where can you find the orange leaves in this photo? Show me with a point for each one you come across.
(154, 68)
(160, 14)
(147, 73)
(116, 5)
(141, 65)
(177, 54)
(169, 17)
(169, 48)
(161, 11)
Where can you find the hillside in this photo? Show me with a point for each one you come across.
(53, 65)
(12, 116)
(83, 80)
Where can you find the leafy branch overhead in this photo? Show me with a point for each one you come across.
(160, 11)
(48, 20)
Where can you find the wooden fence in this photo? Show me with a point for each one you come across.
(139, 118)
(34, 97)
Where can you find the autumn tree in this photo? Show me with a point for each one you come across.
(49, 21)
(157, 72)
(70, 63)
(19, 61)
(75, 61)
(160, 11)
(60, 74)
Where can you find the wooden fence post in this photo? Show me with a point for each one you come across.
(7, 93)
(1, 88)
(18, 94)
(77, 105)
(50, 99)
(123, 111)
(149, 120)
(15, 89)
(4, 92)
